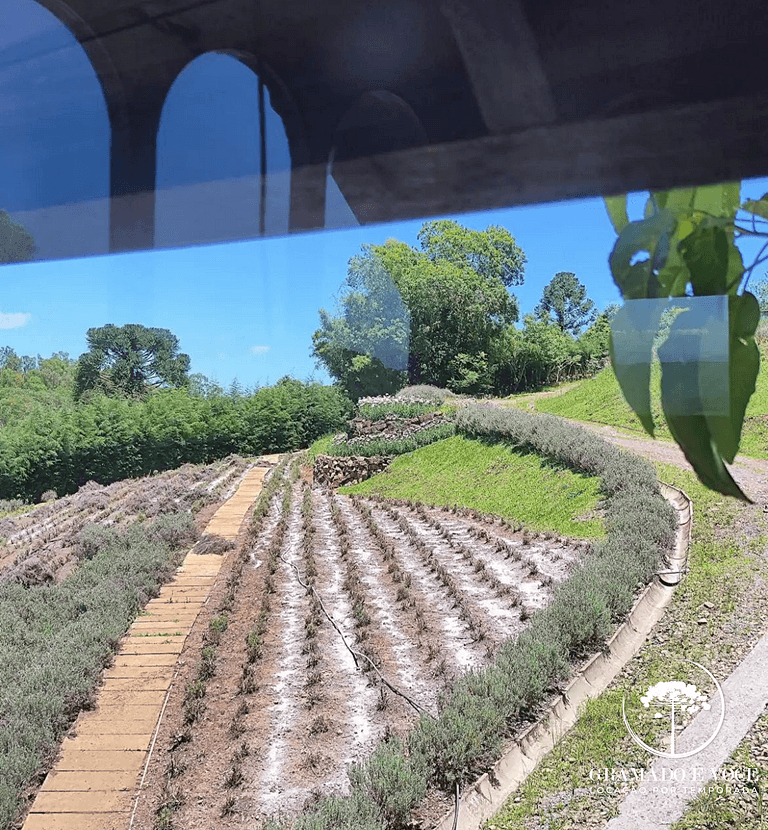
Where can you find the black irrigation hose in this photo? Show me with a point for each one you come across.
(356, 654)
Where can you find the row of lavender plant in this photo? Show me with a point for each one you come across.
(487, 706)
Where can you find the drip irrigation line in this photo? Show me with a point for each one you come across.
(355, 654)
(152, 748)
(456, 807)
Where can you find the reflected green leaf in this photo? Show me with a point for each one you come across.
(617, 211)
(683, 408)
(630, 343)
(639, 280)
(705, 252)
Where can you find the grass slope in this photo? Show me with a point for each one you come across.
(493, 479)
(600, 400)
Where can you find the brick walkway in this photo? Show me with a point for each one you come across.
(95, 780)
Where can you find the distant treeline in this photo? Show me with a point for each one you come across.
(49, 442)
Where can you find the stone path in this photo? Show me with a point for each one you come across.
(95, 780)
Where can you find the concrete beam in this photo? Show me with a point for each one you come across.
(502, 60)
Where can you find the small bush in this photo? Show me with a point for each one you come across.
(355, 812)
(424, 392)
(392, 781)
(375, 409)
(93, 539)
(10, 505)
(382, 446)
(175, 529)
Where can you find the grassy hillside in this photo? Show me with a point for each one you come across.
(600, 400)
(493, 479)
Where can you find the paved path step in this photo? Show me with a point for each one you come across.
(95, 780)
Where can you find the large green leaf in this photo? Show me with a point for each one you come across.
(705, 252)
(617, 211)
(675, 274)
(735, 268)
(640, 279)
(679, 200)
(633, 329)
(743, 368)
(683, 407)
(718, 199)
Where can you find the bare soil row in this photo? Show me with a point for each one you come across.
(275, 700)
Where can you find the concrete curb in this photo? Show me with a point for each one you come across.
(488, 794)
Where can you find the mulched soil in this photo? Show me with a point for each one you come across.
(425, 593)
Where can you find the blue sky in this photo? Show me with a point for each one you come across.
(244, 309)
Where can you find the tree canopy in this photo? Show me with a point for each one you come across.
(130, 360)
(16, 243)
(492, 253)
(565, 301)
(421, 316)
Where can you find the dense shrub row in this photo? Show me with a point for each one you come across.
(55, 639)
(109, 439)
(392, 446)
(486, 707)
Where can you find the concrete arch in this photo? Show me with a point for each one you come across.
(282, 103)
(216, 181)
(111, 84)
(377, 122)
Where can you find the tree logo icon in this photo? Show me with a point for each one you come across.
(678, 702)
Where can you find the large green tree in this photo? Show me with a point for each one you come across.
(429, 315)
(565, 302)
(16, 243)
(130, 360)
(364, 347)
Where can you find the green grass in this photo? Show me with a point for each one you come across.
(600, 400)
(721, 572)
(493, 479)
(320, 447)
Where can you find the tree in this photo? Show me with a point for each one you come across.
(422, 316)
(565, 300)
(760, 290)
(492, 253)
(16, 243)
(365, 346)
(130, 360)
(203, 387)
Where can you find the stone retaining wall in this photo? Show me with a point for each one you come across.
(393, 426)
(337, 470)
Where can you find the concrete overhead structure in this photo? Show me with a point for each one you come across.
(426, 107)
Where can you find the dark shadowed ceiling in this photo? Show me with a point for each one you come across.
(425, 107)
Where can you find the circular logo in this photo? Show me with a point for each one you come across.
(676, 701)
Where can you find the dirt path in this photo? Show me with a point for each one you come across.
(750, 474)
(93, 784)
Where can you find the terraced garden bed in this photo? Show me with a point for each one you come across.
(39, 544)
(418, 596)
